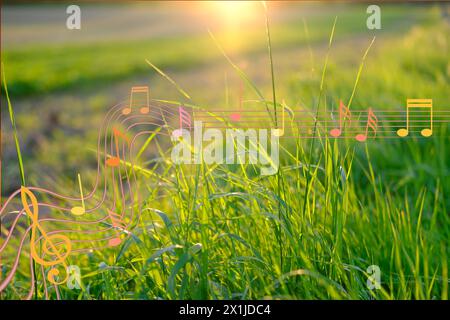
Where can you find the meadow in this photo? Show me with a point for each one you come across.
(335, 207)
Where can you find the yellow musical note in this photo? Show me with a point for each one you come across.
(48, 246)
(278, 132)
(417, 104)
(79, 211)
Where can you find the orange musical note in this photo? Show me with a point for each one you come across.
(344, 113)
(144, 105)
(417, 104)
(117, 223)
(184, 118)
(48, 246)
(372, 122)
(114, 161)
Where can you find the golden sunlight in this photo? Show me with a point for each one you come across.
(234, 13)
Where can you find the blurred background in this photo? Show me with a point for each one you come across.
(61, 82)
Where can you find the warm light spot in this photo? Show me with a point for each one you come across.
(234, 14)
(233, 18)
(235, 11)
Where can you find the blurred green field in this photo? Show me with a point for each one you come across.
(309, 232)
(44, 69)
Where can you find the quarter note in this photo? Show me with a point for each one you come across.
(372, 122)
(344, 113)
(114, 161)
(426, 104)
(117, 223)
(78, 211)
(236, 116)
(142, 103)
(184, 119)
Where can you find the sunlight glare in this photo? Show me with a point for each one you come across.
(234, 13)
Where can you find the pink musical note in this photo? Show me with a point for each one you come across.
(117, 223)
(184, 118)
(372, 122)
(344, 113)
(236, 116)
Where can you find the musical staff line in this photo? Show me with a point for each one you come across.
(110, 217)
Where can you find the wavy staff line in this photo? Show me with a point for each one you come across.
(13, 270)
(124, 185)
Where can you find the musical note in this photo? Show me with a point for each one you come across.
(117, 223)
(144, 105)
(417, 104)
(280, 132)
(344, 113)
(78, 211)
(236, 116)
(184, 118)
(372, 122)
(48, 246)
(114, 161)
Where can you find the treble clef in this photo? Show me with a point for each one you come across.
(48, 246)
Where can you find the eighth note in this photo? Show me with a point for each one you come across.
(417, 104)
(184, 118)
(143, 104)
(344, 113)
(372, 122)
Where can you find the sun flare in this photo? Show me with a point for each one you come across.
(233, 13)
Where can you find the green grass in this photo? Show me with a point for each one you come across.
(310, 232)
